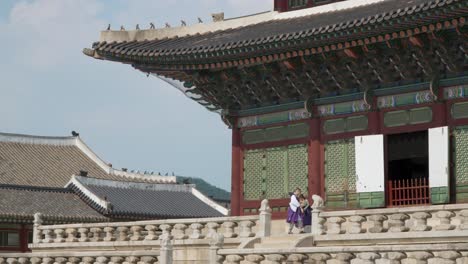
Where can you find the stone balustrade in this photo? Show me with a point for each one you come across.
(408, 254)
(452, 217)
(230, 227)
(98, 257)
(150, 232)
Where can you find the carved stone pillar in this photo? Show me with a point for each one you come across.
(397, 223)
(116, 260)
(123, 233)
(341, 258)
(446, 257)
(216, 243)
(419, 257)
(254, 259)
(166, 249)
(319, 258)
(109, 234)
(229, 229)
(59, 235)
(136, 233)
(24, 260)
(12, 261)
(265, 220)
(367, 257)
(33, 260)
(377, 221)
(71, 235)
(147, 260)
(166, 231)
(60, 260)
(151, 232)
(212, 229)
(245, 229)
(73, 260)
(445, 218)
(47, 236)
(51, 260)
(233, 259)
(37, 233)
(355, 224)
(102, 260)
(96, 234)
(392, 258)
(297, 258)
(179, 231)
(334, 225)
(87, 260)
(83, 234)
(317, 222)
(275, 259)
(196, 231)
(131, 260)
(464, 220)
(420, 222)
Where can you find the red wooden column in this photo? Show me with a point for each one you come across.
(315, 160)
(236, 172)
(374, 122)
(439, 114)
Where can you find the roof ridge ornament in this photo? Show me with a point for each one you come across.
(218, 17)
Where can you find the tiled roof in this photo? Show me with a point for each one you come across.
(50, 162)
(144, 200)
(56, 205)
(261, 38)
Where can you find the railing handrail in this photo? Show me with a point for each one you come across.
(344, 249)
(155, 222)
(395, 210)
(128, 253)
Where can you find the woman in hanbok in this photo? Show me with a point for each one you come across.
(294, 211)
(306, 213)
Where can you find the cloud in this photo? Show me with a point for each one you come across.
(49, 33)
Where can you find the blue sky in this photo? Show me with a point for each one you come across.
(48, 87)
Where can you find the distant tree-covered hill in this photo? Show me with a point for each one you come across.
(206, 188)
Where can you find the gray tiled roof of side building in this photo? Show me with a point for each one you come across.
(51, 161)
(59, 204)
(160, 201)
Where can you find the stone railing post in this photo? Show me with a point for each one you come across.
(319, 258)
(297, 258)
(397, 223)
(71, 235)
(464, 220)
(317, 221)
(245, 229)
(212, 229)
(166, 230)
(355, 226)
(37, 233)
(196, 231)
(136, 233)
(275, 259)
(234, 259)
(229, 229)
(254, 259)
(378, 226)
(420, 222)
(392, 257)
(445, 219)
(165, 256)
(419, 257)
(264, 229)
(217, 242)
(151, 232)
(179, 231)
(109, 234)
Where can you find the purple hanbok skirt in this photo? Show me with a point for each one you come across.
(293, 217)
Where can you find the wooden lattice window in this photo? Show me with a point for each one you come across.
(297, 3)
(274, 172)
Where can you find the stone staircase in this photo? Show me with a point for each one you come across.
(277, 242)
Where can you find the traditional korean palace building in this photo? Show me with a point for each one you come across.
(364, 102)
(66, 182)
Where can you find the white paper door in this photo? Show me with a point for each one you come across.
(370, 164)
(439, 157)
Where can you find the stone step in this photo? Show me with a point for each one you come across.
(278, 242)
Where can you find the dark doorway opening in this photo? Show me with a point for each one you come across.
(408, 168)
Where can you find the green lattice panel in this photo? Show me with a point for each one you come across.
(461, 155)
(254, 174)
(276, 172)
(336, 167)
(297, 167)
(351, 166)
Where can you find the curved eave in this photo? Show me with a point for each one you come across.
(433, 16)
